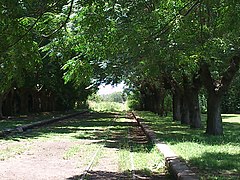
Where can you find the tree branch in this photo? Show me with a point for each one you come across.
(206, 77)
(30, 28)
(63, 24)
(228, 75)
(220, 86)
(166, 27)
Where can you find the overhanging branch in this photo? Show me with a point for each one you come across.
(167, 26)
(63, 24)
(29, 29)
(229, 74)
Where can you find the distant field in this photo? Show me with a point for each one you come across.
(107, 106)
(213, 157)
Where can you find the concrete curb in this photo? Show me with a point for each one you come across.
(177, 167)
(26, 127)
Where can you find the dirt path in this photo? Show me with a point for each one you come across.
(41, 160)
(64, 150)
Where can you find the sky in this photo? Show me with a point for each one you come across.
(108, 89)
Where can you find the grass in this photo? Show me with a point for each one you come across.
(107, 106)
(96, 127)
(216, 157)
(146, 162)
(72, 152)
(149, 160)
(84, 152)
(11, 151)
(73, 129)
(146, 159)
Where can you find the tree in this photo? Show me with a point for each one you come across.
(152, 45)
(26, 26)
(131, 33)
(231, 101)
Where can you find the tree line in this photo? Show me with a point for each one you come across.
(158, 48)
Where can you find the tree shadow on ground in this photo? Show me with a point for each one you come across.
(127, 175)
(19, 120)
(174, 132)
(90, 123)
(220, 155)
(225, 165)
(94, 126)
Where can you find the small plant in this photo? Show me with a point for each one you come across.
(11, 152)
(71, 152)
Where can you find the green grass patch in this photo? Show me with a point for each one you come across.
(216, 157)
(124, 162)
(70, 129)
(71, 152)
(147, 159)
(107, 106)
(11, 151)
(84, 152)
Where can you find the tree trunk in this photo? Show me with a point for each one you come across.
(191, 89)
(7, 107)
(176, 106)
(159, 101)
(194, 110)
(143, 101)
(185, 101)
(162, 108)
(24, 101)
(214, 119)
(151, 103)
(184, 111)
(1, 106)
(216, 89)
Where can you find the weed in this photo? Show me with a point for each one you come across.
(11, 151)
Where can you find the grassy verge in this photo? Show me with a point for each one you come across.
(215, 157)
(148, 159)
(147, 162)
(143, 156)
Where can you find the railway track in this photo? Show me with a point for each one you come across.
(90, 164)
(134, 135)
(109, 134)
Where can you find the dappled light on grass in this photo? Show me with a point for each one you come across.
(118, 138)
(231, 118)
(219, 154)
